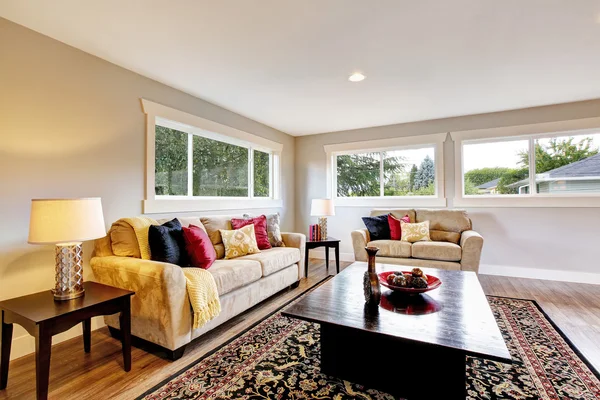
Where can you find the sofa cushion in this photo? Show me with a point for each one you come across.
(123, 241)
(167, 243)
(200, 250)
(396, 213)
(185, 221)
(213, 224)
(378, 227)
(239, 242)
(443, 236)
(395, 228)
(442, 251)
(274, 259)
(260, 229)
(391, 248)
(233, 274)
(445, 220)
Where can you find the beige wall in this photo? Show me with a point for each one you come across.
(72, 125)
(556, 239)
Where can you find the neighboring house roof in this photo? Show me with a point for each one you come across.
(588, 167)
(489, 185)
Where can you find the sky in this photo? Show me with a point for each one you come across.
(501, 154)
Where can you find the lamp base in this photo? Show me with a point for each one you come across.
(69, 271)
(323, 226)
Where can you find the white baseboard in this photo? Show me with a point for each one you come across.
(25, 344)
(502, 270)
(536, 273)
(320, 254)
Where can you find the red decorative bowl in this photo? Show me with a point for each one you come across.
(432, 283)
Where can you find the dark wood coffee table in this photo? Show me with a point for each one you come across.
(418, 349)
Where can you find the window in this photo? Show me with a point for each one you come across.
(388, 171)
(533, 165)
(197, 164)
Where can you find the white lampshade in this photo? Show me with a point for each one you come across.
(65, 220)
(322, 208)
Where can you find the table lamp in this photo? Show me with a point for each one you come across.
(66, 223)
(322, 208)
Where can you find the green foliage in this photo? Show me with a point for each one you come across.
(261, 174)
(425, 174)
(428, 190)
(470, 187)
(483, 175)
(412, 177)
(509, 177)
(358, 174)
(220, 169)
(558, 152)
(171, 162)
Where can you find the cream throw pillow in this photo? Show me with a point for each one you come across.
(415, 232)
(239, 242)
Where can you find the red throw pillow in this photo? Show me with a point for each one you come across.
(199, 248)
(260, 229)
(395, 231)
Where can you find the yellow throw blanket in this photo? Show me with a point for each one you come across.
(201, 286)
(202, 291)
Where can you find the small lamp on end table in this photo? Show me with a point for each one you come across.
(322, 208)
(66, 223)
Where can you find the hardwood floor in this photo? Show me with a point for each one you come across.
(575, 308)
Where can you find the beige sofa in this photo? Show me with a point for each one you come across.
(454, 245)
(161, 311)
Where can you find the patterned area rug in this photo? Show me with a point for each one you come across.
(279, 359)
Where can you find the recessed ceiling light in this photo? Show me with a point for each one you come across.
(356, 77)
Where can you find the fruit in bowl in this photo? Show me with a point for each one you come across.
(414, 281)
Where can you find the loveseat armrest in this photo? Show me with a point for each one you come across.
(360, 238)
(471, 244)
(160, 308)
(297, 240)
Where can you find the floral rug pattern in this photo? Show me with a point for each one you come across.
(279, 359)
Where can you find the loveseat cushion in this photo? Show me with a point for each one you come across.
(123, 241)
(233, 274)
(274, 259)
(391, 248)
(445, 220)
(396, 213)
(442, 251)
(212, 226)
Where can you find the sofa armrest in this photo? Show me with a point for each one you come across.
(297, 240)
(360, 238)
(471, 243)
(160, 308)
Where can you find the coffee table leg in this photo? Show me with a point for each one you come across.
(7, 331)
(87, 334)
(125, 323)
(43, 348)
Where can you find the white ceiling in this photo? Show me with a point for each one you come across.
(286, 63)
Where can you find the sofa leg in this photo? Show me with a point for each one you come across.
(295, 285)
(176, 354)
(114, 332)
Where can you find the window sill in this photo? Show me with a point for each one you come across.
(413, 201)
(528, 201)
(157, 206)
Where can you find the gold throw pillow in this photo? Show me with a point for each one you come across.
(239, 242)
(415, 232)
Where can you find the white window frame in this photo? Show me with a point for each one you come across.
(523, 132)
(399, 143)
(194, 125)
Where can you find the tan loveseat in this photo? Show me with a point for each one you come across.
(454, 245)
(161, 311)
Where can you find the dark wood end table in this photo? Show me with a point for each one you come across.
(328, 243)
(44, 317)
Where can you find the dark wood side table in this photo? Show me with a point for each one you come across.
(328, 243)
(44, 317)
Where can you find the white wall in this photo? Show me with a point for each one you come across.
(535, 242)
(72, 125)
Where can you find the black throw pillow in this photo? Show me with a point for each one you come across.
(167, 243)
(378, 227)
